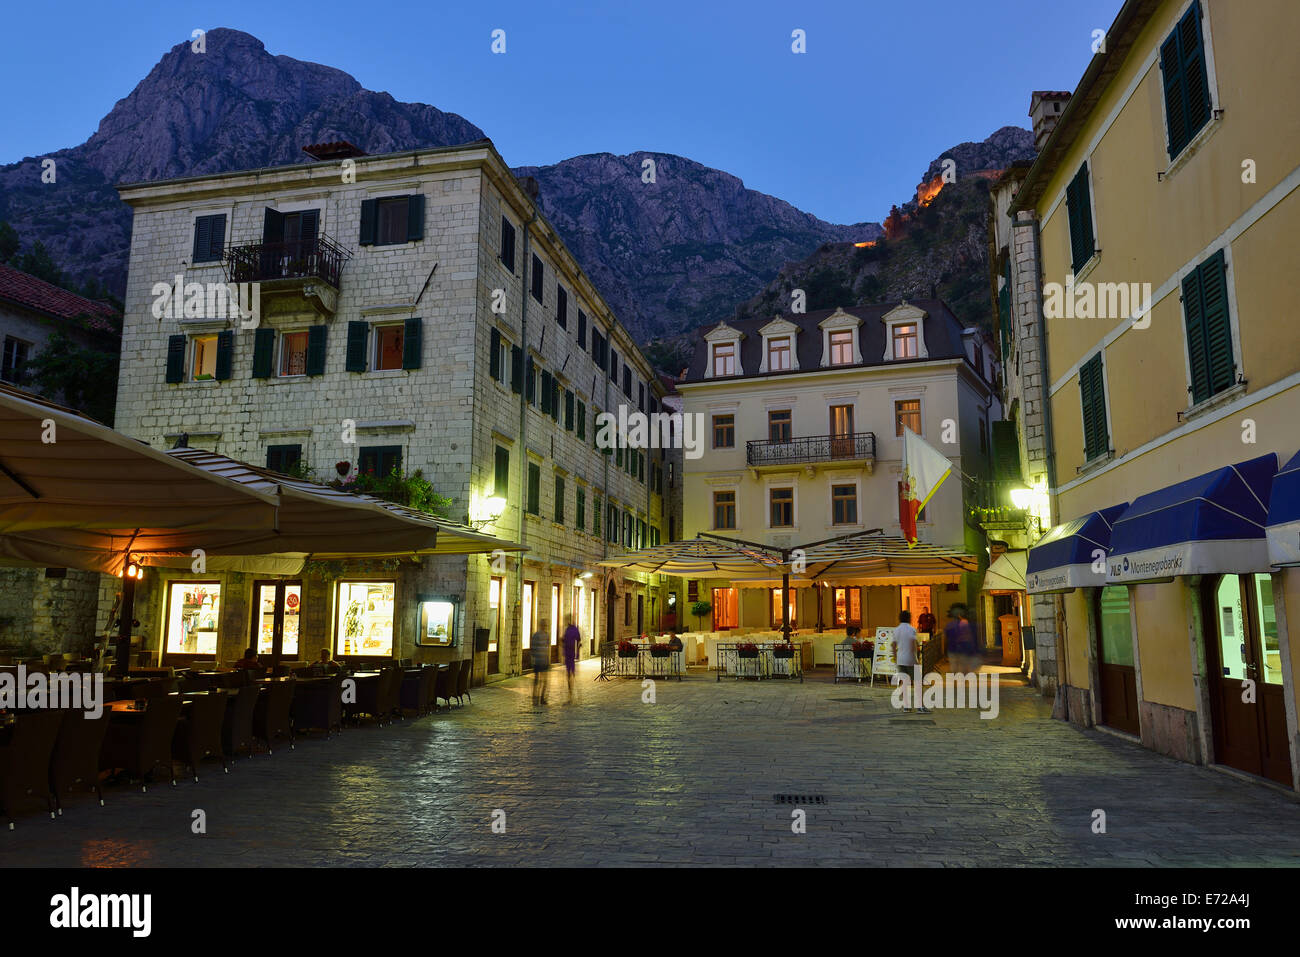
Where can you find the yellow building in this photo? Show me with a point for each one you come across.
(1164, 210)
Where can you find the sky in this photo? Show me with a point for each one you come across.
(842, 130)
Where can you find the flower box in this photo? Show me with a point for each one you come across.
(863, 649)
(747, 651)
(627, 649)
(783, 651)
(660, 651)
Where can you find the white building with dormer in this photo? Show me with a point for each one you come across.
(803, 416)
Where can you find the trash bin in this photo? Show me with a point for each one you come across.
(1009, 628)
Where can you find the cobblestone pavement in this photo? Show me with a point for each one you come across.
(689, 779)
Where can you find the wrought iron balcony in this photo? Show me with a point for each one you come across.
(810, 449)
(320, 258)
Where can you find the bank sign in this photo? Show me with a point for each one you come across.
(1140, 566)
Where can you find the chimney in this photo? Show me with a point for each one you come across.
(1045, 109)
(340, 149)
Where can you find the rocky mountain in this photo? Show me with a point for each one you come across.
(1011, 144)
(667, 255)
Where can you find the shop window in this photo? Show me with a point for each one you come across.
(848, 606)
(726, 608)
(193, 617)
(437, 622)
(364, 625)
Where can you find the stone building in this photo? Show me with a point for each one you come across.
(406, 312)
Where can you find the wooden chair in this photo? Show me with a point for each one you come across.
(447, 690)
(237, 728)
(272, 716)
(462, 681)
(390, 693)
(417, 689)
(75, 760)
(442, 687)
(25, 761)
(319, 704)
(198, 734)
(140, 747)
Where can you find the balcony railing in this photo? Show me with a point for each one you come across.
(320, 258)
(811, 448)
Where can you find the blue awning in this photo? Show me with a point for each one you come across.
(1211, 524)
(1283, 531)
(1066, 557)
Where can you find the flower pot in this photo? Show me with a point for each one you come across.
(627, 654)
(747, 654)
(655, 653)
(861, 654)
(783, 653)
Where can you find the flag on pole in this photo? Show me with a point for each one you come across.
(924, 469)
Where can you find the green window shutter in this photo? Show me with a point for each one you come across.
(595, 516)
(1186, 81)
(310, 220)
(225, 355)
(413, 344)
(530, 381)
(1092, 395)
(202, 238)
(546, 393)
(516, 369)
(1078, 201)
(264, 351)
(580, 509)
(494, 354)
(272, 226)
(568, 410)
(1004, 310)
(559, 499)
(555, 399)
(316, 349)
(501, 480)
(1194, 317)
(1218, 330)
(414, 221)
(534, 489)
(358, 339)
(369, 221)
(176, 358)
(581, 416)
(507, 244)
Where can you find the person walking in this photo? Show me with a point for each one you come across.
(905, 657)
(540, 646)
(974, 647)
(956, 640)
(572, 638)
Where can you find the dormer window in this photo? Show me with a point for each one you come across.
(841, 346)
(778, 354)
(905, 341)
(724, 359)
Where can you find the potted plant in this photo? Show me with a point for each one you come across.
(747, 650)
(783, 651)
(659, 651)
(863, 649)
(627, 649)
(699, 610)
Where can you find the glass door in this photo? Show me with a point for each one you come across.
(277, 607)
(496, 596)
(841, 431)
(527, 624)
(1117, 678)
(555, 623)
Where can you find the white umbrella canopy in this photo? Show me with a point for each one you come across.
(871, 555)
(698, 557)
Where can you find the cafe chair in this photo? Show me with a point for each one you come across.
(417, 689)
(140, 747)
(271, 717)
(75, 761)
(25, 761)
(319, 704)
(390, 693)
(198, 734)
(462, 681)
(237, 728)
(447, 690)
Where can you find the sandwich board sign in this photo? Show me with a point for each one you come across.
(882, 659)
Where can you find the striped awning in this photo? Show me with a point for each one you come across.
(871, 555)
(697, 557)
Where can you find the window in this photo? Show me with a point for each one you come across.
(627, 380)
(724, 358)
(984, 437)
(724, 510)
(629, 529)
(1209, 330)
(16, 354)
(437, 625)
(640, 396)
(627, 608)
(501, 473)
(1078, 205)
(781, 507)
(283, 458)
(848, 606)
(907, 414)
(389, 341)
(209, 238)
(548, 392)
(500, 356)
(568, 410)
(582, 329)
(775, 607)
(538, 276)
(293, 353)
(844, 504)
(559, 499)
(726, 608)
(1186, 82)
(778, 354)
(203, 364)
(364, 625)
(843, 444)
(779, 426)
(530, 382)
(580, 418)
(277, 605)
(598, 348)
(387, 221)
(508, 244)
(534, 506)
(613, 365)
(841, 343)
(380, 460)
(193, 617)
(580, 509)
(561, 307)
(724, 431)
(595, 515)
(1092, 398)
(905, 341)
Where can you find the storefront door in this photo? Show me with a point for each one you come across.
(555, 623)
(1116, 677)
(496, 601)
(1241, 649)
(276, 606)
(527, 624)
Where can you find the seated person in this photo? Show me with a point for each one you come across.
(325, 665)
(674, 642)
(249, 662)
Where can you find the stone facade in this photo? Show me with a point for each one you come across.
(40, 614)
(446, 414)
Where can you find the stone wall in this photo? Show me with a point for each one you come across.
(47, 614)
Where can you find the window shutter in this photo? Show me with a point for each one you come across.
(1092, 394)
(358, 338)
(264, 351)
(501, 480)
(217, 238)
(508, 244)
(559, 499)
(413, 344)
(369, 221)
(1079, 205)
(538, 277)
(225, 355)
(494, 354)
(581, 416)
(316, 349)
(530, 381)
(1194, 316)
(568, 410)
(1218, 331)
(582, 329)
(414, 220)
(555, 399)
(273, 226)
(176, 358)
(1004, 310)
(516, 369)
(546, 393)
(613, 366)
(1186, 82)
(310, 226)
(202, 239)
(561, 307)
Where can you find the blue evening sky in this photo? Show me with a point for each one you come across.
(841, 131)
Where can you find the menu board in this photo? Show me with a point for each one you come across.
(883, 661)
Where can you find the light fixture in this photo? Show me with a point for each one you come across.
(488, 511)
(1022, 497)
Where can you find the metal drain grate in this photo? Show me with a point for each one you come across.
(799, 798)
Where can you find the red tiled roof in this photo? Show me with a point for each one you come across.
(25, 290)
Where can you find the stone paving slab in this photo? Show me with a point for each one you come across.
(612, 780)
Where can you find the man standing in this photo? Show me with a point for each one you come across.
(925, 624)
(905, 658)
(540, 646)
(570, 640)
